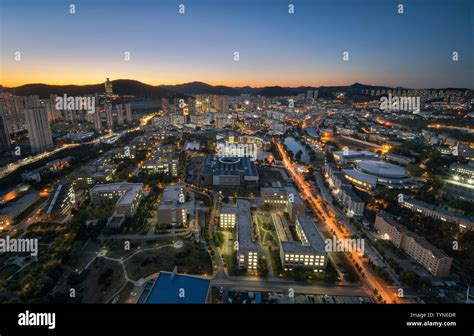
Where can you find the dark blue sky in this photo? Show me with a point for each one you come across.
(412, 50)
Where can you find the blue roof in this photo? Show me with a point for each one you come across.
(167, 289)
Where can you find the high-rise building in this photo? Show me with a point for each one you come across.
(109, 117)
(4, 134)
(119, 108)
(108, 89)
(39, 131)
(13, 107)
(128, 112)
(97, 121)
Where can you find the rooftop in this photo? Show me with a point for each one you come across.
(169, 285)
(129, 190)
(30, 197)
(382, 169)
(244, 226)
(316, 242)
(170, 197)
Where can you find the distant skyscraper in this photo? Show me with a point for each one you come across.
(97, 121)
(309, 94)
(108, 115)
(119, 108)
(39, 131)
(316, 94)
(108, 88)
(128, 110)
(4, 134)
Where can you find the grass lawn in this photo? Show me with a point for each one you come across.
(103, 278)
(190, 259)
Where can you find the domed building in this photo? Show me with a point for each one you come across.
(367, 174)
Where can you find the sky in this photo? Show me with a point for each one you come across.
(413, 49)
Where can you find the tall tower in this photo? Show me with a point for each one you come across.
(39, 131)
(4, 133)
(97, 121)
(108, 114)
(128, 110)
(108, 89)
(119, 108)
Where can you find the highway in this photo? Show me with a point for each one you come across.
(332, 225)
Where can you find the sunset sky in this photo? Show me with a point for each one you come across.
(385, 48)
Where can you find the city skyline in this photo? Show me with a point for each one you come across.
(275, 48)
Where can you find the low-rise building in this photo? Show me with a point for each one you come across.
(431, 258)
(460, 184)
(228, 217)
(126, 196)
(247, 248)
(174, 206)
(307, 253)
(285, 198)
(429, 210)
(229, 172)
(167, 167)
(352, 203)
(61, 202)
(13, 209)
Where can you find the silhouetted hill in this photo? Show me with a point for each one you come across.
(194, 88)
(120, 86)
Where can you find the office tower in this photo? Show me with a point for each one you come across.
(316, 94)
(165, 105)
(13, 107)
(309, 94)
(119, 108)
(97, 121)
(128, 112)
(108, 89)
(108, 115)
(4, 134)
(222, 104)
(39, 131)
(191, 102)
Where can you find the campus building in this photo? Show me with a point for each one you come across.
(285, 198)
(126, 196)
(431, 258)
(306, 253)
(174, 206)
(429, 210)
(15, 208)
(229, 172)
(239, 215)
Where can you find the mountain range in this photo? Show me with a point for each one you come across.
(138, 89)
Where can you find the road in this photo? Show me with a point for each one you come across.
(332, 225)
(283, 286)
(10, 168)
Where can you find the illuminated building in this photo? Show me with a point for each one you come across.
(460, 184)
(429, 210)
(247, 249)
(307, 253)
(126, 196)
(174, 208)
(39, 131)
(15, 208)
(286, 198)
(431, 258)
